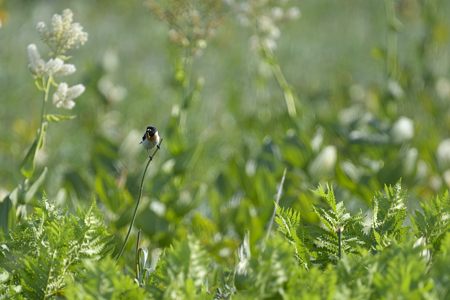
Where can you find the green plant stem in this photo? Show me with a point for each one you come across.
(137, 251)
(391, 40)
(46, 93)
(43, 110)
(288, 93)
(187, 92)
(150, 158)
(277, 200)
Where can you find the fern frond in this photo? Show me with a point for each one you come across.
(288, 221)
(47, 247)
(432, 222)
(388, 215)
(185, 270)
(338, 231)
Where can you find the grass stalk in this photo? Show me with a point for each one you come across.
(277, 200)
(141, 187)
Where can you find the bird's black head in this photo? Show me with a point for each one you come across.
(151, 130)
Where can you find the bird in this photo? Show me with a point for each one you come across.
(151, 138)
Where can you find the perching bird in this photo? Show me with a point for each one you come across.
(151, 138)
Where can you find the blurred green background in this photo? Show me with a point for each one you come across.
(373, 102)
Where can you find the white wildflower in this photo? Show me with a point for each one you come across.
(410, 161)
(395, 89)
(443, 154)
(41, 27)
(53, 66)
(293, 13)
(63, 35)
(324, 163)
(269, 43)
(66, 69)
(112, 92)
(64, 96)
(446, 176)
(443, 88)
(402, 130)
(267, 15)
(35, 63)
(159, 208)
(266, 24)
(277, 13)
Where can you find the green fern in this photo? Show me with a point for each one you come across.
(401, 273)
(439, 268)
(103, 280)
(288, 221)
(48, 247)
(183, 273)
(266, 274)
(432, 222)
(313, 284)
(339, 232)
(388, 216)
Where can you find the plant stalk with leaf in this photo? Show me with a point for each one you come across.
(62, 36)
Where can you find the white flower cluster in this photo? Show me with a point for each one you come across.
(63, 34)
(53, 67)
(264, 15)
(191, 22)
(65, 95)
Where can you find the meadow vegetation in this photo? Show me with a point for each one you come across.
(306, 149)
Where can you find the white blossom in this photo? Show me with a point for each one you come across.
(53, 66)
(65, 95)
(293, 13)
(35, 63)
(443, 88)
(63, 34)
(66, 69)
(267, 16)
(277, 13)
(443, 154)
(402, 130)
(324, 163)
(395, 89)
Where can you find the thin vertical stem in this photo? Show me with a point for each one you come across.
(47, 86)
(150, 158)
(288, 93)
(277, 200)
(391, 40)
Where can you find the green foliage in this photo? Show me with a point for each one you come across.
(53, 253)
(48, 247)
(339, 231)
(288, 221)
(266, 273)
(183, 272)
(239, 95)
(432, 222)
(103, 280)
(439, 271)
(388, 216)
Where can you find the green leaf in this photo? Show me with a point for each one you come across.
(35, 186)
(58, 118)
(28, 163)
(5, 212)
